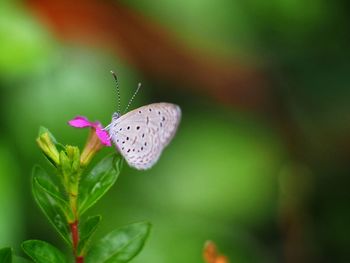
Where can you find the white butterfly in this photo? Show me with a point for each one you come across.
(141, 134)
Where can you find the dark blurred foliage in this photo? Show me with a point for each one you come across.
(261, 160)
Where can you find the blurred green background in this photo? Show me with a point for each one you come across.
(261, 167)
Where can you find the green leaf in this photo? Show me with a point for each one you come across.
(42, 252)
(16, 259)
(96, 183)
(54, 207)
(121, 245)
(45, 179)
(6, 255)
(87, 229)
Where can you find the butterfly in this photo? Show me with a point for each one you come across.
(141, 135)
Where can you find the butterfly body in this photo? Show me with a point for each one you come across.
(141, 134)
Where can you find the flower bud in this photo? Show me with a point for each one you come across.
(211, 254)
(70, 166)
(221, 259)
(73, 154)
(46, 143)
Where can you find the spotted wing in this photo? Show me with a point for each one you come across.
(142, 134)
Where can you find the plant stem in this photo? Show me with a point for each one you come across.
(75, 238)
(74, 226)
(75, 234)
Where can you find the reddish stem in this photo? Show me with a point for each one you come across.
(75, 234)
(75, 239)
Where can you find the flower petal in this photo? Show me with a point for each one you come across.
(80, 122)
(103, 136)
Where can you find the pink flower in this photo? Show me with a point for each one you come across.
(83, 122)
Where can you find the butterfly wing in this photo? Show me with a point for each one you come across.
(141, 134)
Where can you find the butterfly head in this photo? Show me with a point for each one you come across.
(115, 116)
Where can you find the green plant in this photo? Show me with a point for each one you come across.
(67, 192)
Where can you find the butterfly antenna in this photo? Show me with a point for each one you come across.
(118, 91)
(133, 96)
